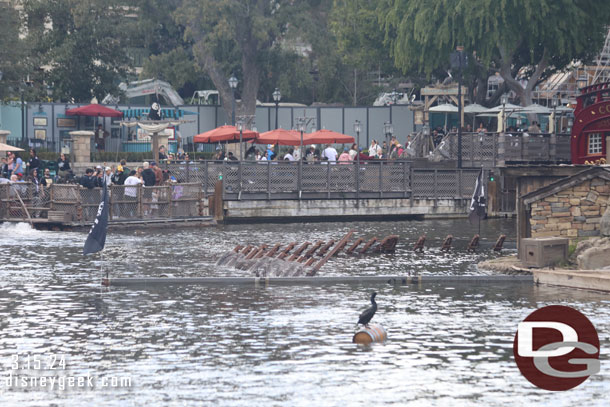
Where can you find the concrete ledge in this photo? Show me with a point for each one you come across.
(585, 279)
(255, 281)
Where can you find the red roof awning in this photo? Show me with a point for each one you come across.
(282, 137)
(224, 133)
(94, 110)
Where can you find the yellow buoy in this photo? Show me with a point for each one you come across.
(372, 333)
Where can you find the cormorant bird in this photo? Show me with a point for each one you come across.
(367, 314)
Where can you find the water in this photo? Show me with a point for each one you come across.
(278, 346)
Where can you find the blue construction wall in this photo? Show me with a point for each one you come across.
(47, 126)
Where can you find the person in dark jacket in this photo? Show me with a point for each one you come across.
(148, 175)
(88, 180)
(33, 162)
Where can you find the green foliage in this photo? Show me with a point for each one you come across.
(422, 33)
(80, 45)
(12, 52)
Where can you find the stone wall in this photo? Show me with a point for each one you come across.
(573, 212)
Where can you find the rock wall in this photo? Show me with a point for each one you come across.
(574, 212)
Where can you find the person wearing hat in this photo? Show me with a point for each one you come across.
(270, 153)
(107, 177)
(310, 154)
(345, 157)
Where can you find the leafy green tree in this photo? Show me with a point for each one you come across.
(77, 46)
(529, 38)
(12, 52)
(360, 43)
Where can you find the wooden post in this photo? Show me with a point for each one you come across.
(354, 246)
(287, 250)
(335, 249)
(499, 243)
(474, 243)
(327, 246)
(313, 249)
(218, 202)
(274, 250)
(298, 252)
(447, 243)
(368, 245)
(140, 200)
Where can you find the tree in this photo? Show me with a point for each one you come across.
(11, 51)
(360, 43)
(226, 31)
(77, 47)
(522, 39)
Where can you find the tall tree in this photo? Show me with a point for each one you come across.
(522, 39)
(224, 31)
(12, 51)
(77, 46)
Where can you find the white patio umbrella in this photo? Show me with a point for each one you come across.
(474, 108)
(535, 108)
(444, 108)
(509, 107)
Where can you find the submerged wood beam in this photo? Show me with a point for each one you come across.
(287, 250)
(298, 252)
(327, 246)
(274, 250)
(313, 249)
(368, 245)
(354, 246)
(335, 249)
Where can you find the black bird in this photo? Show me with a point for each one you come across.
(367, 314)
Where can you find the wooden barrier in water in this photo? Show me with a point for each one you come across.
(447, 243)
(474, 243)
(370, 334)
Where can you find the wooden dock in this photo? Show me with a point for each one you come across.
(585, 279)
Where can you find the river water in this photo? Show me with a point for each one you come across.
(276, 346)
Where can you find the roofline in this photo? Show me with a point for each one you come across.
(553, 188)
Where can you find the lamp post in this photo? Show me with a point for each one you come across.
(240, 127)
(357, 129)
(388, 130)
(504, 101)
(459, 61)
(277, 96)
(233, 85)
(426, 132)
(554, 103)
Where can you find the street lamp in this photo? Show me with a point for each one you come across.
(459, 61)
(388, 130)
(240, 127)
(554, 103)
(504, 101)
(233, 85)
(277, 96)
(357, 129)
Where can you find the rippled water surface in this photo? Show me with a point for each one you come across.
(277, 346)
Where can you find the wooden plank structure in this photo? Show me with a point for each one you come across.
(307, 259)
(499, 243)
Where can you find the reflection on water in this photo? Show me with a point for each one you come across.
(246, 346)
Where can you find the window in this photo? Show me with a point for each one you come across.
(595, 143)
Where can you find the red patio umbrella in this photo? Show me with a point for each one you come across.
(224, 133)
(282, 137)
(94, 110)
(325, 136)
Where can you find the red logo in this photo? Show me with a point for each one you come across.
(556, 348)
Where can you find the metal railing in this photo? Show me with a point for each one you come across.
(325, 180)
(78, 204)
(491, 150)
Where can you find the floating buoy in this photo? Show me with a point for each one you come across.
(372, 333)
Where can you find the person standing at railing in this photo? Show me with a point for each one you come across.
(33, 162)
(330, 153)
(18, 167)
(288, 156)
(131, 193)
(534, 128)
(158, 173)
(345, 157)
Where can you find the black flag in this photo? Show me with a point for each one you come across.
(97, 235)
(477, 203)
